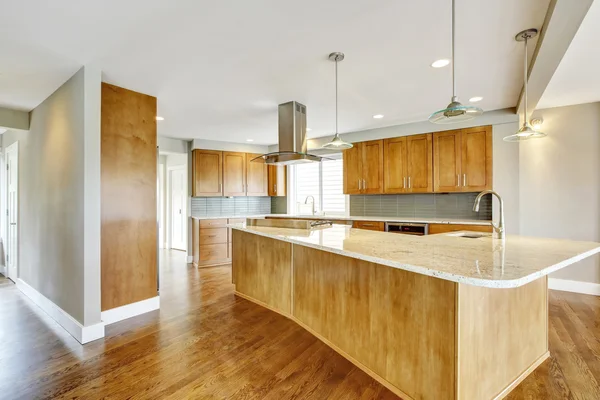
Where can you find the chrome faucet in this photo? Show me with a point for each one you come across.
(313, 203)
(499, 229)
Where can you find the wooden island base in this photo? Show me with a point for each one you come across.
(420, 336)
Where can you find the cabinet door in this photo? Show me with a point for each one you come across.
(256, 176)
(234, 174)
(372, 167)
(476, 156)
(446, 161)
(277, 180)
(207, 173)
(352, 169)
(394, 158)
(419, 163)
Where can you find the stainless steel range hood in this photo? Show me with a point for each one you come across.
(292, 137)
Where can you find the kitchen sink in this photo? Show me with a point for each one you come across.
(288, 223)
(469, 235)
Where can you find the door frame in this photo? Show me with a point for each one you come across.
(12, 150)
(169, 195)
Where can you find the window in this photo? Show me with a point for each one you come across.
(323, 181)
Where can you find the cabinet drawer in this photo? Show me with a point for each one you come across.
(369, 225)
(213, 235)
(213, 252)
(213, 223)
(237, 220)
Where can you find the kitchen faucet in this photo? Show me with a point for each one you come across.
(499, 229)
(313, 203)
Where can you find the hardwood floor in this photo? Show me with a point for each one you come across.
(205, 343)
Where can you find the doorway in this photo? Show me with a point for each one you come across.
(177, 207)
(12, 211)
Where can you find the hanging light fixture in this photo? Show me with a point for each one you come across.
(455, 111)
(526, 132)
(337, 143)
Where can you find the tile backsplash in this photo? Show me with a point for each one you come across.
(226, 206)
(442, 205)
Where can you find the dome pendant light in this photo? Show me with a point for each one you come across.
(526, 132)
(337, 143)
(455, 112)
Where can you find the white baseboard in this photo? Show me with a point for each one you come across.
(130, 310)
(190, 259)
(574, 286)
(83, 334)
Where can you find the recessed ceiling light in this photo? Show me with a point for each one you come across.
(159, 118)
(249, 140)
(475, 99)
(440, 63)
(378, 116)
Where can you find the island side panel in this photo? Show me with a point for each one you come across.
(261, 269)
(502, 337)
(398, 324)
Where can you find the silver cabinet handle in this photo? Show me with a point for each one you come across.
(364, 184)
(367, 225)
(275, 187)
(409, 182)
(458, 180)
(464, 179)
(404, 183)
(220, 187)
(359, 185)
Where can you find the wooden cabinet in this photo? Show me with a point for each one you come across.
(277, 180)
(445, 228)
(363, 168)
(234, 174)
(476, 159)
(227, 173)
(369, 225)
(256, 176)
(207, 173)
(463, 160)
(211, 241)
(408, 164)
(352, 169)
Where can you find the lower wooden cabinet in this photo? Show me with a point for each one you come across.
(369, 225)
(211, 241)
(445, 228)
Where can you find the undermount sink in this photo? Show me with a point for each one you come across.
(288, 223)
(469, 235)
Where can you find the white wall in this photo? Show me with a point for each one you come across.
(560, 182)
(506, 175)
(59, 233)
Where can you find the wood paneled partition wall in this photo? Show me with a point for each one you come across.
(128, 181)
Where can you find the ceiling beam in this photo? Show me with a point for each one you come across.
(560, 26)
(14, 119)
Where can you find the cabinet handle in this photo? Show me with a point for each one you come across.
(458, 180)
(409, 182)
(368, 225)
(275, 188)
(464, 179)
(359, 185)
(364, 184)
(404, 183)
(220, 187)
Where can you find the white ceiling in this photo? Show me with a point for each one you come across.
(576, 80)
(219, 68)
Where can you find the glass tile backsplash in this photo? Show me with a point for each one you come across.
(442, 205)
(226, 206)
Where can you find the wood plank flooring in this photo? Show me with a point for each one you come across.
(205, 343)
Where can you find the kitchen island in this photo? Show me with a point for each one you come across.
(433, 317)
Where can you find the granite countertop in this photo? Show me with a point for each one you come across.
(483, 261)
(349, 218)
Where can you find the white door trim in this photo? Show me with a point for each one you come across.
(169, 222)
(11, 156)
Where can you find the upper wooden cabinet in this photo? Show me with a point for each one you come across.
(256, 176)
(234, 174)
(277, 180)
(363, 168)
(207, 173)
(408, 164)
(463, 160)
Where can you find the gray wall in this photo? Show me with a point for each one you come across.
(59, 235)
(560, 182)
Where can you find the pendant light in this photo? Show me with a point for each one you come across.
(337, 143)
(455, 111)
(526, 132)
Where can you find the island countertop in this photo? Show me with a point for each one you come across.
(416, 220)
(485, 261)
